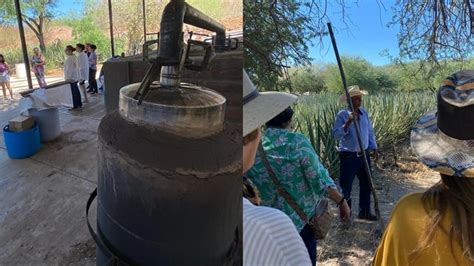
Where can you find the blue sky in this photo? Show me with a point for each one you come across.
(65, 7)
(365, 35)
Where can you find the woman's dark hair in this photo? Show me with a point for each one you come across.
(2, 59)
(282, 119)
(70, 48)
(80, 45)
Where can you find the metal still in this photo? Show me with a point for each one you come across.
(169, 186)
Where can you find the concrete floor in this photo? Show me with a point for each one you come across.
(43, 198)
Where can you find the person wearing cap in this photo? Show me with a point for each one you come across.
(350, 156)
(435, 227)
(269, 236)
(297, 166)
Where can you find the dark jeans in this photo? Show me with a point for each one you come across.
(92, 80)
(352, 166)
(310, 243)
(76, 95)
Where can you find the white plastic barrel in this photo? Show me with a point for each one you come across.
(20, 70)
(49, 124)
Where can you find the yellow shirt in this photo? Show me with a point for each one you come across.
(403, 233)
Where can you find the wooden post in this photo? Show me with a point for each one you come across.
(144, 20)
(23, 43)
(111, 26)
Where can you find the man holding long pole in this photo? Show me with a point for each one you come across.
(358, 133)
(350, 155)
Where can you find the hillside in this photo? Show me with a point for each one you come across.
(11, 38)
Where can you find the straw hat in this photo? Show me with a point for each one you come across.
(443, 139)
(260, 107)
(353, 91)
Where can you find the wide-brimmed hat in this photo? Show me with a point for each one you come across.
(353, 91)
(260, 107)
(443, 139)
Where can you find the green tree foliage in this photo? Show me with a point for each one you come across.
(417, 75)
(434, 30)
(406, 77)
(34, 15)
(307, 79)
(431, 31)
(85, 31)
(360, 72)
(278, 35)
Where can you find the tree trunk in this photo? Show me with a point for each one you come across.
(41, 34)
(42, 45)
(37, 29)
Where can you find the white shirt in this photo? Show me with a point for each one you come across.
(270, 238)
(71, 68)
(83, 66)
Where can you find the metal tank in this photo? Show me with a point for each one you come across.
(169, 186)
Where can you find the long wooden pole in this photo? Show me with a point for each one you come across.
(111, 26)
(357, 127)
(23, 43)
(144, 20)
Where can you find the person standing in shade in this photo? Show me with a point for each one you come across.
(350, 155)
(92, 69)
(5, 77)
(37, 63)
(71, 74)
(83, 69)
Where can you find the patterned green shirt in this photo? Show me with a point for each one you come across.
(298, 168)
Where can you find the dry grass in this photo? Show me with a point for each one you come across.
(11, 39)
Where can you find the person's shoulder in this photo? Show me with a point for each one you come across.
(342, 112)
(410, 205)
(301, 139)
(263, 216)
(410, 199)
(270, 238)
(267, 221)
(296, 140)
(363, 110)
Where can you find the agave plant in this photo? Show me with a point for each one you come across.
(392, 116)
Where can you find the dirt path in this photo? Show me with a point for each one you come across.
(356, 245)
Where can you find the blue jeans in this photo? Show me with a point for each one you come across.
(352, 166)
(76, 95)
(309, 241)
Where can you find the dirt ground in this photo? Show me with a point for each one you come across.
(356, 245)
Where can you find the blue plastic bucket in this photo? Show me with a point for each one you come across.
(22, 144)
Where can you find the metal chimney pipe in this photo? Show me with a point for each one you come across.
(175, 14)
